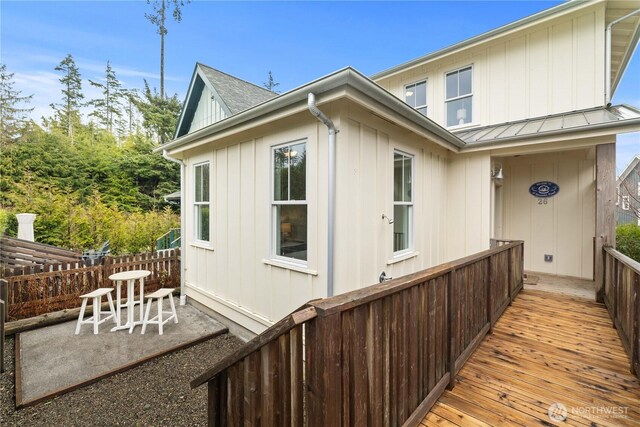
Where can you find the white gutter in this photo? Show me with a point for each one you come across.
(311, 102)
(607, 54)
(183, 297)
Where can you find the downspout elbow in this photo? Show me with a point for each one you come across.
(311, 103)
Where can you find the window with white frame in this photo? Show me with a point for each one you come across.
(625, 203)
(201, 201)
(415, 94)
(402, 203)
(289, 203)
(459, 96)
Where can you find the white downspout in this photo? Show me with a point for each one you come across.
(607, 55)
(311, 102)
(183, 297)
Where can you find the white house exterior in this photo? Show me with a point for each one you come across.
(433, 158)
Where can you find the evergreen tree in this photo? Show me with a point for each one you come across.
(129, 109)
(271, 84)
(107, 110)
(158, 18)
(12, 116)
(67, 111)
(160, 115)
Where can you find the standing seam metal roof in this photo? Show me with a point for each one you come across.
(548, 124)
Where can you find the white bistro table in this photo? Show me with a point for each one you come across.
(130, 277)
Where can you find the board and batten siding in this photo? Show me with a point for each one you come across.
(231, 276)
(563, 227)
(468, 204)
(552, 67)
(364, 167)
(207, 112)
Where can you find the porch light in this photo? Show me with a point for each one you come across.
(497, 174)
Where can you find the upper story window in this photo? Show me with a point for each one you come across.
(402, 202)
(201, 201)
(459, 96)
(289, 204)
(625, 203)
(415, 95)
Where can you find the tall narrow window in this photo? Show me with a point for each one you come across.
(290, 201)
(625, 203)
(459, 96)
(415, 95)
(201, 201)
(402, 202)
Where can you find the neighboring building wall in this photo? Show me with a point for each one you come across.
(629, 188)
(208, 111)
(563, 227)
(555, 66)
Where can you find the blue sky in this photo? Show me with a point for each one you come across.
(297, 41)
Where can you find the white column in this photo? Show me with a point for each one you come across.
(25, 226)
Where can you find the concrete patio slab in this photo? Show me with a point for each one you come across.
(560, 284)
(53, 360)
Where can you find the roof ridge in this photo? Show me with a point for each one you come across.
(236, 78)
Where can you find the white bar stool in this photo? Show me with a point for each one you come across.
(160, 294)
(97, 309)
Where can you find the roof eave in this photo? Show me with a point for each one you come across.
(344, 77)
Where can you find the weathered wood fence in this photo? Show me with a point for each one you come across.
(380, 355)
(3, 308)
(622, 298)
(46, 288)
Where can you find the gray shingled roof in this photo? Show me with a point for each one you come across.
(574, 120)
(237, 94)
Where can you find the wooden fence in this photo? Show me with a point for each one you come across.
(622, 298)
(46, 288)
(380, 355)
(17, 253)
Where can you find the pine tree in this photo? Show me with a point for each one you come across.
(12, 116)
(158, 18)
(160, 115)
(67, 111)
(107, 110)
(129, 109)
(271, 84)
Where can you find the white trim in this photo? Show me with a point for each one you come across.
(426, 95)
(455, 98)
(206, 244)
(403, 257)
(229, 309)
(411, 214)
(283, 262)
(202, 245)
(280, 260)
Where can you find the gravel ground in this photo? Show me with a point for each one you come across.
(156, 393)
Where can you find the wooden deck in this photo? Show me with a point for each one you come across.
(547, 348)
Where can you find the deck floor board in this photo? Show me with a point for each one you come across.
(546, 348)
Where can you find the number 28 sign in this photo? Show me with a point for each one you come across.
(543, 190)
